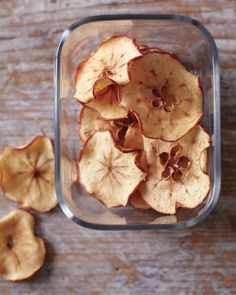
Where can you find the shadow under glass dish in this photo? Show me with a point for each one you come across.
(196, 49)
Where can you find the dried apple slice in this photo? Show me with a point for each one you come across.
(106, 103)
(22, 254)
(91, 121)
(137, 201)
(165, 96)
(107, 173)
(27, 174)
(175, 177)
(109, 61)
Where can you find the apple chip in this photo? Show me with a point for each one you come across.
(175, 178)
(137, 201)
(107, 173)
(106, 103)
(22, 254)
(165, 96)
(27, 174)
(91, 121)
(108, 62)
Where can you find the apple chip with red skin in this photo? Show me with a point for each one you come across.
(109, 61)
(164, 95)
(27, 174)
(106, 103)
(22, 254)
(105, 172)
(175, 178)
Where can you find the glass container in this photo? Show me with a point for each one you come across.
(196, 48)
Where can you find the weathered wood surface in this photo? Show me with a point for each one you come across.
(201, 260)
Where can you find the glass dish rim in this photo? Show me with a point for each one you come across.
(217, 141)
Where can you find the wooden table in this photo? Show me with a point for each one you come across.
(200, 260)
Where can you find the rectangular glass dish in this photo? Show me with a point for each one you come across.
(196, 48)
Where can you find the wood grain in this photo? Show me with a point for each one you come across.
(201, 260)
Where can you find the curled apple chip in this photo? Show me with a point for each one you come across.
(107, 173)
(175, 178)
(106, 103)
(108, 62)
(165, 96)
(137, 201)
(91, 121)
(27, 174)
(22, 254)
